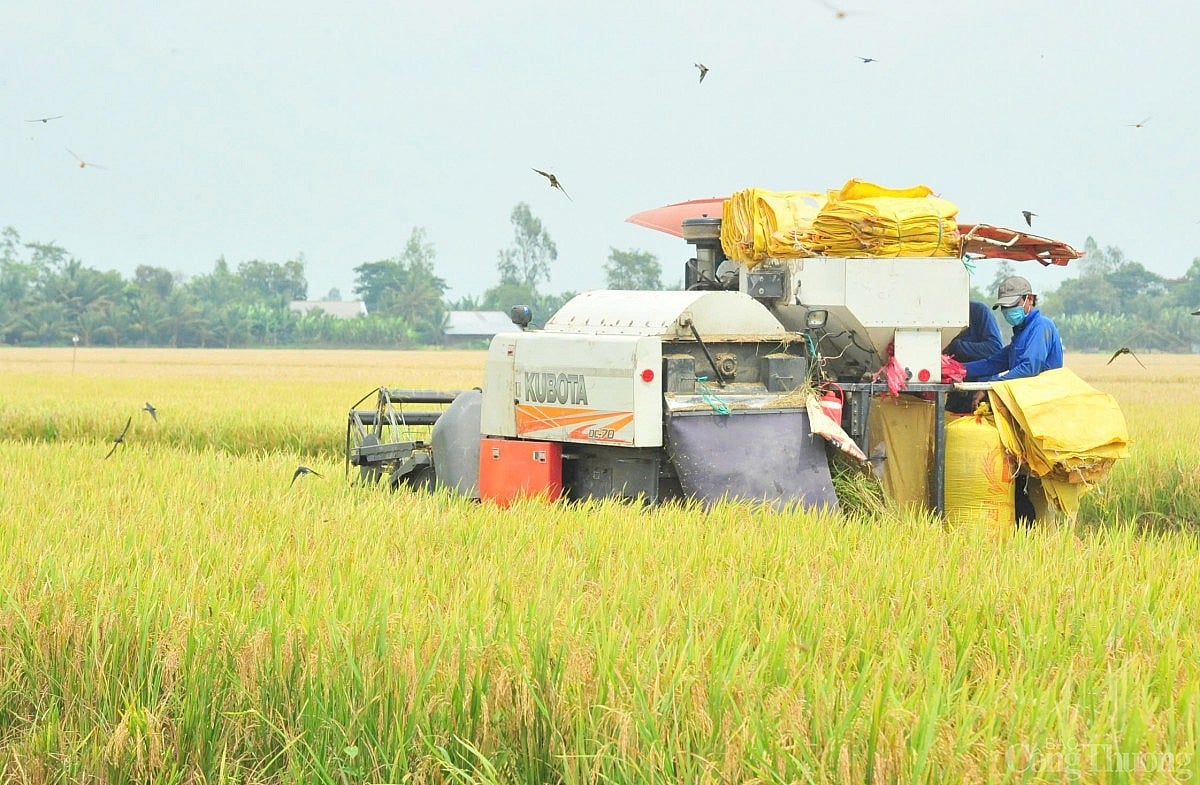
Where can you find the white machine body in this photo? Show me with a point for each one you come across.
(585, 388)
(917, 304)
(592, 375)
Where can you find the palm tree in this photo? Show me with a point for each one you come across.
(45, 323)
(182, 316)
(230, 325)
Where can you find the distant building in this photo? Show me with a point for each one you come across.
(341, 309)
(468, 326)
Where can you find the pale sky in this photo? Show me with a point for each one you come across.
(268, 129)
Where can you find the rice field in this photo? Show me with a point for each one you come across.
(180, 614)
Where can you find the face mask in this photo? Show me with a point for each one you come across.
(1014, 315)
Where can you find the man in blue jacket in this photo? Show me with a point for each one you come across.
(1035, 346)
(981, 338)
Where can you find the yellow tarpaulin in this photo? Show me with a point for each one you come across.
(901, 431)
(1065, 431)
(860, 219)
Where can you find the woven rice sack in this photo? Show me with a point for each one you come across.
(979, 477)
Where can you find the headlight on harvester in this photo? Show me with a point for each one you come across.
(815, 319)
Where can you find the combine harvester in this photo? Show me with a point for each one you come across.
(706, 393)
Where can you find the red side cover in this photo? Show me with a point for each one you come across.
(513, 468)
(999, 242)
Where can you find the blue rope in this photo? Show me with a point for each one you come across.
(711, 399)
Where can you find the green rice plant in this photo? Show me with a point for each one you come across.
(858, 490)
(1158, 487)
(238, 401)
(180, 613)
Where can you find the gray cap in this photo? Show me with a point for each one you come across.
(1012, 289)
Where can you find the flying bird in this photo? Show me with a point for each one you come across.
(1125, 350)
(838, 13)
(554, 183)
(703, 70)
(302, 470)
(1142, 124)
(867, 59)
(44, 119)
(119, 439)
(83, 163)
(1028, 216)
(151, 410)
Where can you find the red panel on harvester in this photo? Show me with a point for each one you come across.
(512, 468)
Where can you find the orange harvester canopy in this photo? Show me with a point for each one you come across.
(670, 218)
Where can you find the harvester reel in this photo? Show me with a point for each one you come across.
(414, 473)
(369, 475)
(381, 442)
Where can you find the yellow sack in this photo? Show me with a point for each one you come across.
(757, 224)
(979, 477)
(859, 219)
(865, 219)
(861, 189)
(901, 429)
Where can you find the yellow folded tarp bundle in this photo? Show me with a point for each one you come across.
(757, 224)
(860, 219)
(1065, 431)
(864, 219)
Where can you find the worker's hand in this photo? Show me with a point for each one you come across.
(979, 396)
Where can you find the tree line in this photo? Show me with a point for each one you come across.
(48, 296)
(1115, 301)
